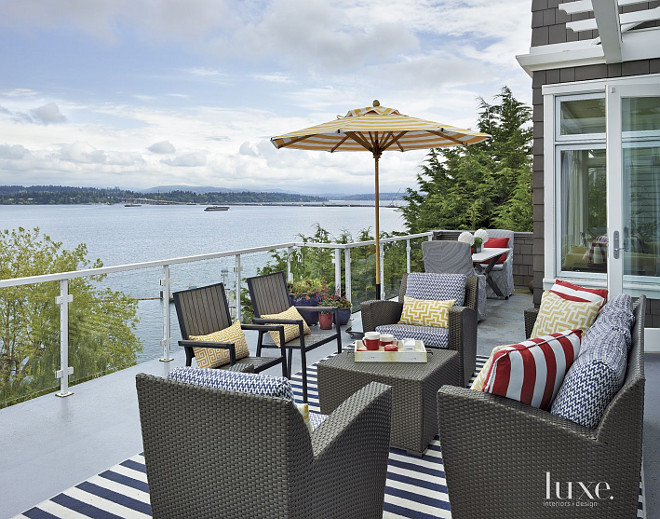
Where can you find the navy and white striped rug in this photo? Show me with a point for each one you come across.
(415, 488)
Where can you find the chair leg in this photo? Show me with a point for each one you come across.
(259, 342)
(304, 373)
(290, 364)
(285, 371)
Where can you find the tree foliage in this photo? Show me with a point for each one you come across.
(486, 185)
(101, 321)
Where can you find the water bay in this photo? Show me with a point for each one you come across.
(120, 235)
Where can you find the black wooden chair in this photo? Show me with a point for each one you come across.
(205, 310)
(270, 295)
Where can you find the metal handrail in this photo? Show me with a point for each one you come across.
(64, 299)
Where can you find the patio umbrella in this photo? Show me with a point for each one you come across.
(376, 129)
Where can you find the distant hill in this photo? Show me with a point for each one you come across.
(207, 189)
(51, 195)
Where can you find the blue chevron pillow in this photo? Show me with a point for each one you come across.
(600, 369)
(234, 381)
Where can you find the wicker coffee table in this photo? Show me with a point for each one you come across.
(414, 391)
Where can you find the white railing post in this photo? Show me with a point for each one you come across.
(165, 283)
(337, 262)
(237, 270)
(65, 370)
(408, 256)
(382, 272)
(289, 274)
(347, 274)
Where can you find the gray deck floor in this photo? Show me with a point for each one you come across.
(49, 444)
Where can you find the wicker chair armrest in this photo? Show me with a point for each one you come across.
(351, 449)
(375, 313)
(371, 404)
(463, 338)
(530, 319)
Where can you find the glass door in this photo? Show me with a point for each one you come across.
(633, 189)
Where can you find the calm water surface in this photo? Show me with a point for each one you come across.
(120, 235)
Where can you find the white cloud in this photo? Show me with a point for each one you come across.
(48, 114)
(162, 147)
(187, 160)
(15, 152)
(19, 92)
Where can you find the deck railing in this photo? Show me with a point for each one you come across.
(64, 299)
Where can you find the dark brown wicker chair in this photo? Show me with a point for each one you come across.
(270, 295)
(498, 452)
(205, 310)
(211, 453)
(462, 323)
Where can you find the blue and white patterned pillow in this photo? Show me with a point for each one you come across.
(432, 336)
(599, 372)
(437, 287)
(618, 314)
(252, 383)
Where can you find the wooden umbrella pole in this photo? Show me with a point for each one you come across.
(377, 205)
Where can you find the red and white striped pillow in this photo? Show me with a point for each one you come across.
(532, 371)
(572, 292)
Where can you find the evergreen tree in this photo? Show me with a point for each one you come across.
(486, 185)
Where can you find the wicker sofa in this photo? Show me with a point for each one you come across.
(503, 459)
(216, 453)
(462, 323)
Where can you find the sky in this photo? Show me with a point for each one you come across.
(142, 93)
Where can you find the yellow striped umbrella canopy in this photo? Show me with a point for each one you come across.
(376, 129)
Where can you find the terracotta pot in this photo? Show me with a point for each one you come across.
(325, 321)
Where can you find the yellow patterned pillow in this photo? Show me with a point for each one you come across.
(214, 357)
(426, 312)
(478, 383)
(558, 314)
(291, 331)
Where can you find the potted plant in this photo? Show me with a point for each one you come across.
(343, 304)
(480, 237)
(307, 293)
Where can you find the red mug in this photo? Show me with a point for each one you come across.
(371, 340)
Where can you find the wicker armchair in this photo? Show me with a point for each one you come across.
(500, 453)
(212, 453)
(462, 323)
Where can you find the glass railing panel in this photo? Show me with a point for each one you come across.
(363, 275)
(29, 341)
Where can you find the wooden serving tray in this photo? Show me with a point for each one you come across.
(418, 355)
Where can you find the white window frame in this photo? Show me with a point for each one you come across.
(552, 94)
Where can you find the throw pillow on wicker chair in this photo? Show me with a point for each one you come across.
(215, 357)
(291, 331)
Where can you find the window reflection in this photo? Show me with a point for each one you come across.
(582, 116)
(583, 211)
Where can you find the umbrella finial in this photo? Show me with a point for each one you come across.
(376, 102)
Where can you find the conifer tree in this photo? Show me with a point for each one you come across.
(486, 185)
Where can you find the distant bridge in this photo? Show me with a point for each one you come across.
(151, 201)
